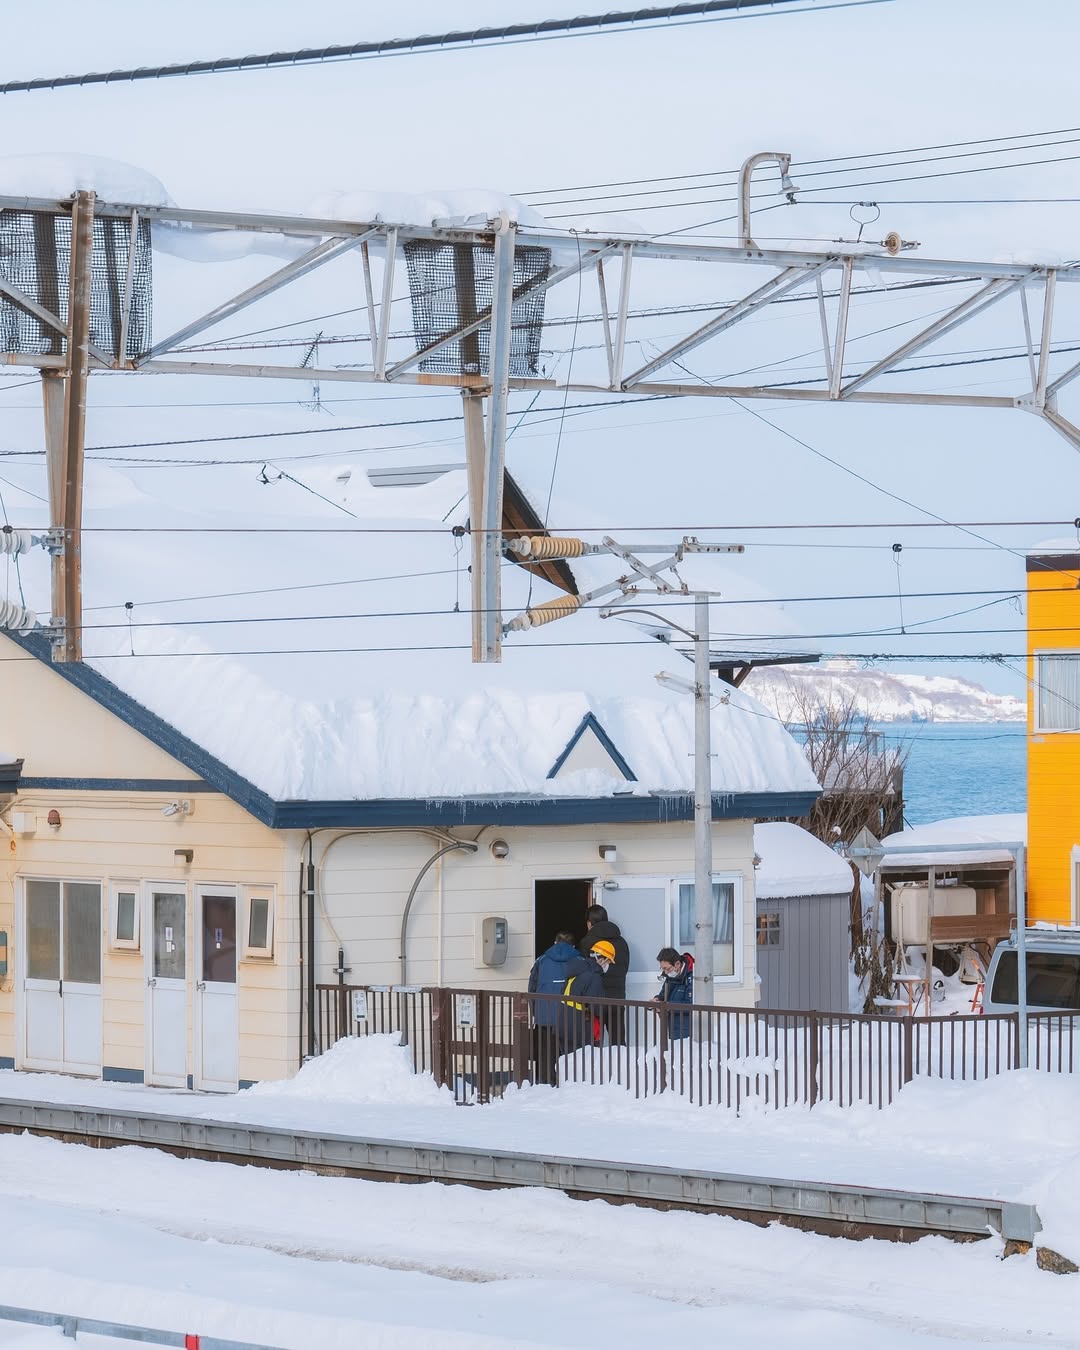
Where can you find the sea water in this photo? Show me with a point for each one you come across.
(960, 769)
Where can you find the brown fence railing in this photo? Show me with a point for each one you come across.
(477, 1041)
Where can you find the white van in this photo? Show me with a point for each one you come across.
(1053, 972)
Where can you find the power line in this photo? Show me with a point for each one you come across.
(832, 159)
(704, 11)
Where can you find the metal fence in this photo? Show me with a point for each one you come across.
(479, 1041)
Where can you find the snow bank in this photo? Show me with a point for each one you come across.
(793, 863)
(359, 1070)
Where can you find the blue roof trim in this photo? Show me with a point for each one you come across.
(177, 785)
(590, 723)
(405, 812)
(156, 730)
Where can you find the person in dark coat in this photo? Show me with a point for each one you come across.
(677, 974)
(584, 981)
(549, 976)
(601, 928)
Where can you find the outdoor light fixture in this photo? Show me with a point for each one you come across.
(180, 807)
(676, 682)
(186, 854)
(54, 819)
(499, 848)
(608, 852)
(757, 861)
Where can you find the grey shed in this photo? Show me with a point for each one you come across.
(803, 913)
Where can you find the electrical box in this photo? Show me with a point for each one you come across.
(23, 822)
(494, 935)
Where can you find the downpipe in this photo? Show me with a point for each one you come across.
(464, 845)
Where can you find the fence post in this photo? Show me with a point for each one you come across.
(663, 1042)
(344, 1021)
(908, 1044)
(440, 1035)
(520, 1039)
(814, 1048)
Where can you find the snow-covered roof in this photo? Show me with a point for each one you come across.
(794, 862)
(953, 834)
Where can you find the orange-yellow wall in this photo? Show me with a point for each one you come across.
(1053, 765)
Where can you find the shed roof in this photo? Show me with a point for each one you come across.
(794, 862)
(953, 833)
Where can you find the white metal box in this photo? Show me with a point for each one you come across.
(908, 906)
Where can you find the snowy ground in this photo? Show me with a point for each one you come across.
(302, 1261)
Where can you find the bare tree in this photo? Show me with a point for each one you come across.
(862, 782)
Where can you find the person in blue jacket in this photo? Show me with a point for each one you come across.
(677, 974)
(548, 976)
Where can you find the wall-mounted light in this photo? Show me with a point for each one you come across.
(608, 852)
(186, 854)
(757, 861)
(610, 885)
(499, 848)
(181, 807)
(54, 819)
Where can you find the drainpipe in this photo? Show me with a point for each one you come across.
(462, 844)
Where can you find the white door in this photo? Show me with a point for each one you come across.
(61, 987)
(640, 908)
(217, 1050)
(166, 988)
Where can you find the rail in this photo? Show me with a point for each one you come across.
(480, 1041)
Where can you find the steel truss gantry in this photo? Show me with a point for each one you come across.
(624, 271)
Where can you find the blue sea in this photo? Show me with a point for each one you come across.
(970, 769)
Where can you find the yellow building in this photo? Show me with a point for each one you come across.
(1053, 766)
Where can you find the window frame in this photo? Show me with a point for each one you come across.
(1037, 690)
(737, 882)
(764, 926)
(116, 889)
(249, 895)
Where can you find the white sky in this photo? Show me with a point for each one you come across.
(613, 107)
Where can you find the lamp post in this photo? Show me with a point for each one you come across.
(704, 920)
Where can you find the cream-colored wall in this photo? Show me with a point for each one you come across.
(365, 880)
(114, 837)
(60, 732)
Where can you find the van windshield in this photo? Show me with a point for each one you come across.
(1053, 979)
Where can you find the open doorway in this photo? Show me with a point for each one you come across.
(560, 905)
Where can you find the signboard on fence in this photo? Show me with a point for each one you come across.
(466, 1010)
(359, 1005)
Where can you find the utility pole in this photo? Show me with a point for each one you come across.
(64, 396)
(704, 924)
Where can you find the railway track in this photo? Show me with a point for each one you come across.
(839, 1210)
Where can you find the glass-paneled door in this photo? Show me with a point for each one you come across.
(61, 983)
(216, 1018)
(166, 988)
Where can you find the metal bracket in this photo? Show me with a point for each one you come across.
(52, 541)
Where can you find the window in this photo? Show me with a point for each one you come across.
(723, 923)
(1053, 980)
(768, 929)
(259, 929)
(125, 917)
(1057, 691)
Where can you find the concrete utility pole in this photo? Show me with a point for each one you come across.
(704, 925)
(64, 396)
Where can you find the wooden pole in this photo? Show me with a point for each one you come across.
(68, 472)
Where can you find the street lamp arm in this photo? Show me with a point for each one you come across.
(634, 609)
